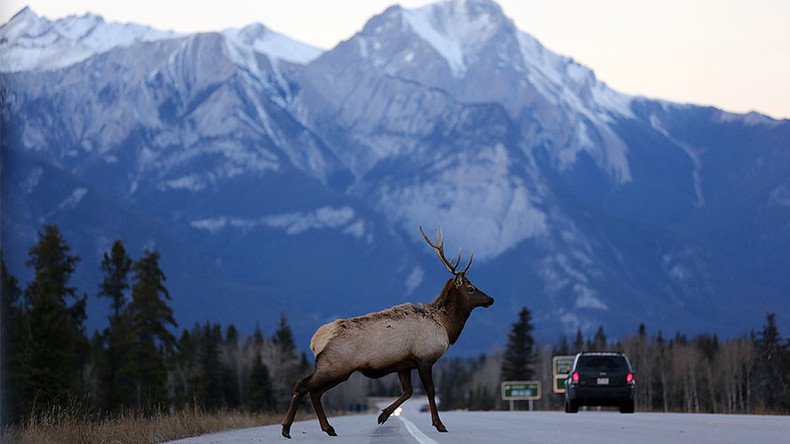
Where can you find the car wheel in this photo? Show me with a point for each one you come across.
(571, 407)
(627, 406)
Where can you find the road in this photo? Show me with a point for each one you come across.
(524, 427)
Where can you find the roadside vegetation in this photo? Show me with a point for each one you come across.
(64, 425)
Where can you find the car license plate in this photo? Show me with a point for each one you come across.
(603, 381)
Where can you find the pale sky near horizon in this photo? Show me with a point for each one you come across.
(733, 54)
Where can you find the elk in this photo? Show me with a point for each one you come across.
(399, 339)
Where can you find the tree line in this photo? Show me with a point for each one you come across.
(136, 364)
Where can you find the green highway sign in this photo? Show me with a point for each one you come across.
(520, 390)
(559, 384)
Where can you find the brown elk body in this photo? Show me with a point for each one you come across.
(396, 340)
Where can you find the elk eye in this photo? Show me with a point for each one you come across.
(470, 289)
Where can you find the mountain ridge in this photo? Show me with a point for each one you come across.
(288, 179)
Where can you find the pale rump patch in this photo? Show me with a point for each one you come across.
(322, 337)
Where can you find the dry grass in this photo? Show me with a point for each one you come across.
(67, 426)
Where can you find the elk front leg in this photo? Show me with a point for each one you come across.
(426, 376)
(405, 382)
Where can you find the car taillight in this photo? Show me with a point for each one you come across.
(629, 378)
(575, 376)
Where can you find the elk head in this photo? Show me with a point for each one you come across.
(469, 295)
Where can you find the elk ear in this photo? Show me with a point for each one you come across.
(459, 280)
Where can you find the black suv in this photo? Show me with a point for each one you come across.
(600, 378)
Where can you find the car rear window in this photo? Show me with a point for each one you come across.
(603, 363)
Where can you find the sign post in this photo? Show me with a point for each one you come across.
(561, 367)
(520, 391)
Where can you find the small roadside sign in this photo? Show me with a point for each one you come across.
(562, 364)
(561, 367)
(559, 384)
(520, 390)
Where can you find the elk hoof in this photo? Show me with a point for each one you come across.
(440, 427)
(331, 431)
(287, 432)
(383, 416)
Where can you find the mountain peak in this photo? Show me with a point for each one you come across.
(455, 27)
(475, 8)
(258, 38)
(25, 13)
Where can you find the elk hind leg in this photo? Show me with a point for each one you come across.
(314, 381)
(315, 397)
(405, 382)
(299, 391)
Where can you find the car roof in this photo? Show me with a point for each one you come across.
(602, 353)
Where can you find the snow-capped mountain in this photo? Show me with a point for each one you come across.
(29, 42)
(274, 176)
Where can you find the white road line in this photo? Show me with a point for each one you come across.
(421, 438)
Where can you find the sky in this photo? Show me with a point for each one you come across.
(732, 54)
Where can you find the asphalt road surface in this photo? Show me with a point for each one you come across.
(586, 427)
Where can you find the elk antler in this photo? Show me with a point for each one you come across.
(469, 264)
(438, 246)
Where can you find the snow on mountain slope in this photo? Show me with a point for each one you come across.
(563, 81)
(30, 42)
(296, 223)
(453, 29)
(258, 38)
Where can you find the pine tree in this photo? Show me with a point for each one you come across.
(116, 267)
(453, 379)
(231, 336)
(232, 369)
(520, 356)
(578, 342)
(260, 396)
(786, 361)
(257, 337)
(210, 392)
(284, 337)
(116, 392)
(54, 328)
(599, 342)
(286, 366)
(183, 381)
(562, 347)
(12, 388)
(771, 369)
(150, 319)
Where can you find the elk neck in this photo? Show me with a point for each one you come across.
(452, 312)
